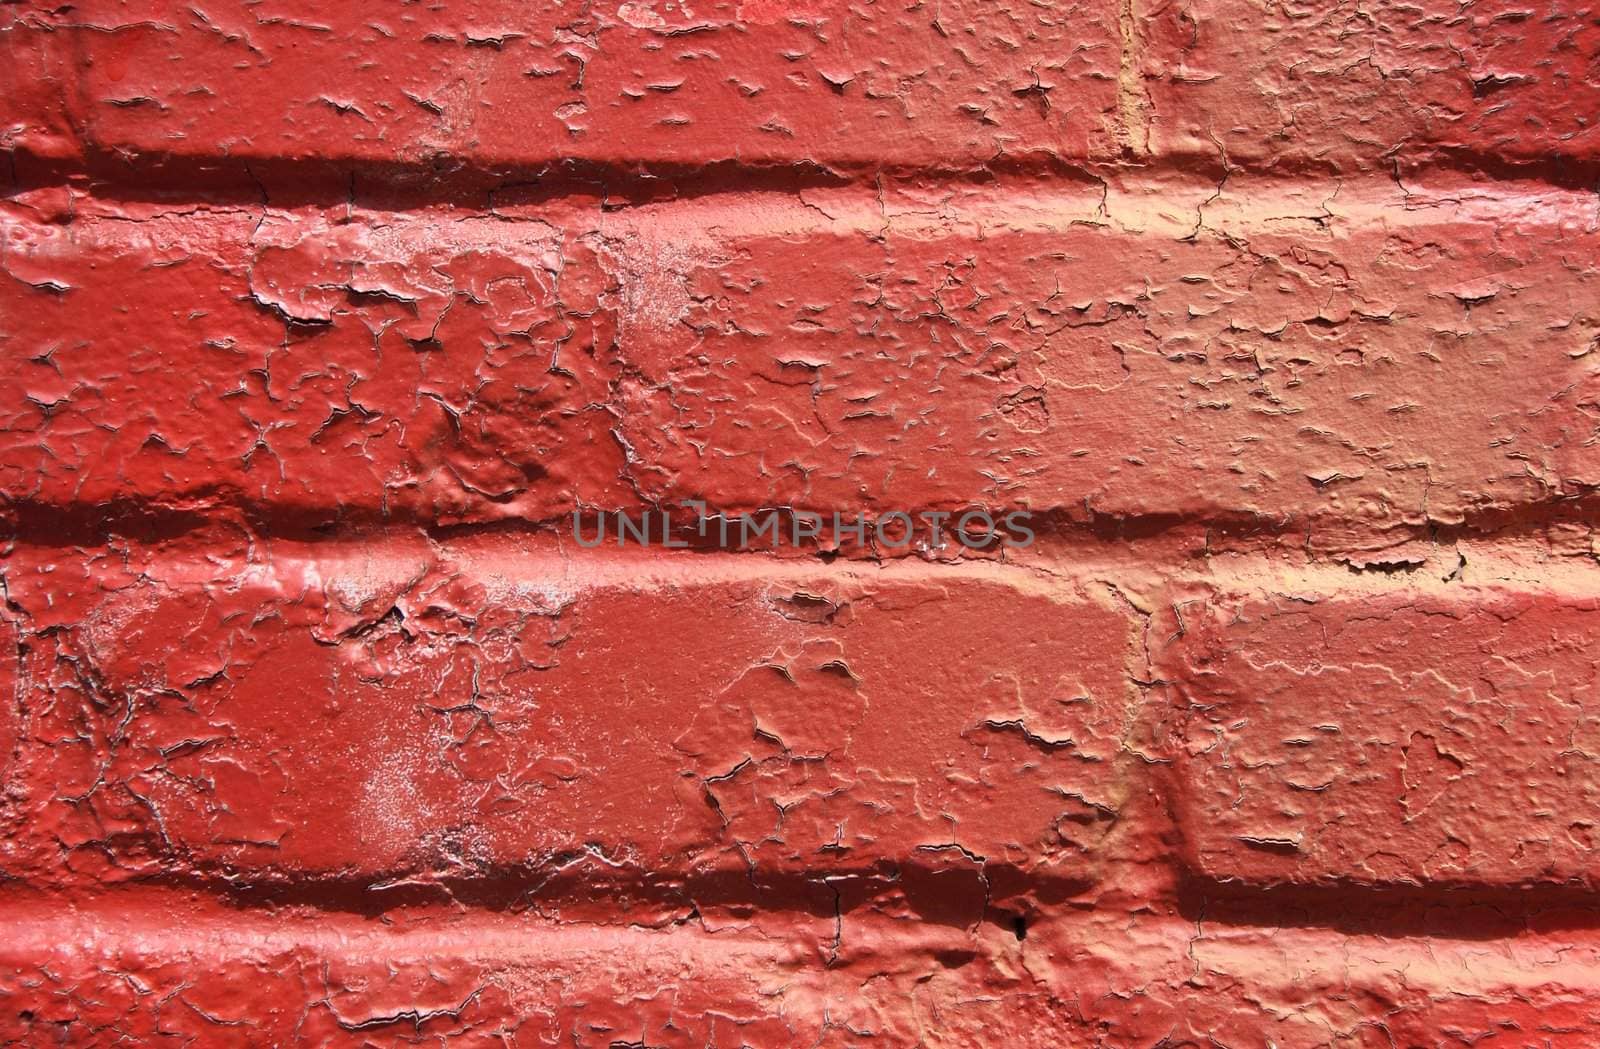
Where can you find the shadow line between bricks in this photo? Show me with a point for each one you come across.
(445, 178)
(1444, 909)
(448, 179)
(956, 897)
(206, 514)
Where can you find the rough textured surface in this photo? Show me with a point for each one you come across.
(1155, 351)
(100, 975)
(485, 711)
(321, 325)
(1430, 736)
(1327, 86)
(534, 85)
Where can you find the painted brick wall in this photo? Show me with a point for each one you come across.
(319, 321)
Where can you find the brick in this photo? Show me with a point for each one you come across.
(1387, 735)
(34, 122)
(1152, 982)
(1323, 86)
(318, 323)
(137, 92)
(162, 971)
(306, 367)
(361, 713)
(1354, 360)
(1367, 369)
(500, 85)
(246, 980)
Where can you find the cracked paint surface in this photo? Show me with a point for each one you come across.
(319, 322)
(526, 983)
(1432, 737)
(1329, 86)
(192, 720)
(1300, 355)
(509, 83)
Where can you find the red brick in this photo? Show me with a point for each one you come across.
(1154, 982)
(1364, 361)
(317, 321)
(826, 84)
(173, 360)
(34, 121)
(1324, 86)
(166, 971)
(1369, 368)
(372, 712)
(495, 84)
(159, 972)
(1384, 735)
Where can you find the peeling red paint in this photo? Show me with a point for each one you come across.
(1240, 356)
(498, 83)
(1329, 87)
(473, 710)
(319, 324)
(1440, 736)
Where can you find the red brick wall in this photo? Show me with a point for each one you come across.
(318, 321)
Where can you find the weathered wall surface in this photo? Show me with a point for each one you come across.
(319, 321)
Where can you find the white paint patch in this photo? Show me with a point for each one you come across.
(656, 14)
